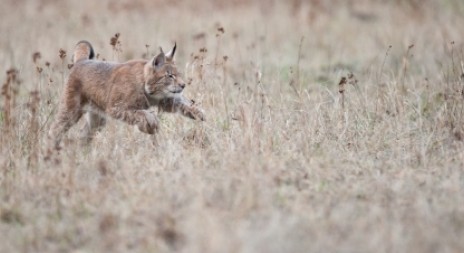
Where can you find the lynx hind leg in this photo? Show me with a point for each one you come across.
(93, 123)
(65, 119)
(69, 113)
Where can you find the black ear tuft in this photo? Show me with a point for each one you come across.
(92, 53)
(170, 54)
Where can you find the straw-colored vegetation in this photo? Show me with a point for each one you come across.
(332, 126)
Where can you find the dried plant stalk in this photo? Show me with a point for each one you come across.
(33, 106)
(9, 91)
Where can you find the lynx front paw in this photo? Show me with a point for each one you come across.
(196, 113)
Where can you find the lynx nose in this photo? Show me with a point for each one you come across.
(182, 85)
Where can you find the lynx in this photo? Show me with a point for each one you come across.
(124, 91)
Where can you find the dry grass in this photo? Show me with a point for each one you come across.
(292, 158)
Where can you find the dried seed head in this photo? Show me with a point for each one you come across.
(221, 29)
(12, 73)
(62, 53)
(12, 77)
(115, 39)
(352, 79)
(36, 56)
(47, 64)
(341, 85)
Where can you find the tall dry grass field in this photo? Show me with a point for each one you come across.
(332, 126)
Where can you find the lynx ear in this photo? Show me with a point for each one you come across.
(159, 60)
(170, 54)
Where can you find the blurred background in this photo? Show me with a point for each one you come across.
(332, 126)
(330, 35)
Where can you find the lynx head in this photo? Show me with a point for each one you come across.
(162, 80)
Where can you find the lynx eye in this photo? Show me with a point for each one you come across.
(171, 76)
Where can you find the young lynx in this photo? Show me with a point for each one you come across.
(124, 91)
